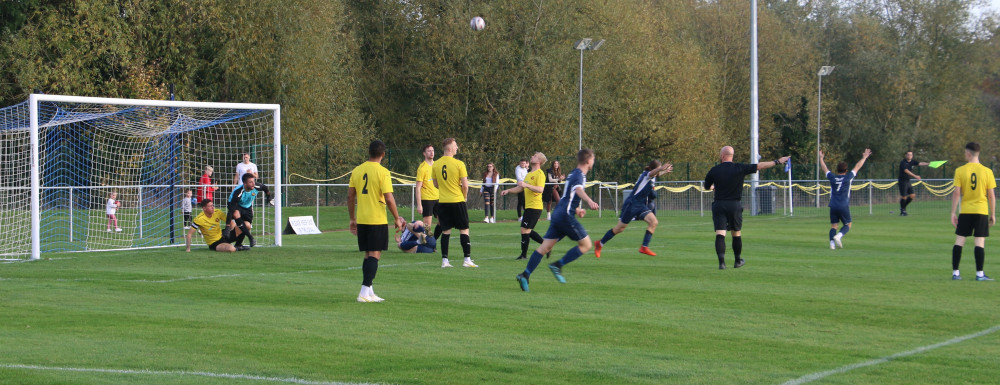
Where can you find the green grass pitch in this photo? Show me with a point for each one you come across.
(288, 315)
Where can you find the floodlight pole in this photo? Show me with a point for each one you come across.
(823, 71)
(754, 117)
(580, 119)
(581, 45)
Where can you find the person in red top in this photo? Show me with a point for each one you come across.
(205, 188)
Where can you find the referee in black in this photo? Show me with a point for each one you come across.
(726, 179)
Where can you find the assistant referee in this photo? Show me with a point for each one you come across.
(726, 179)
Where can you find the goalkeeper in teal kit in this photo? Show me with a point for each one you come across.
(240, 206)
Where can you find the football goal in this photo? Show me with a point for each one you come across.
(62, 158)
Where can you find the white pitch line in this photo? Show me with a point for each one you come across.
(192, 278)
(290, 380)
(847, 368)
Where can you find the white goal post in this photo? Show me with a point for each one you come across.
(148, 152)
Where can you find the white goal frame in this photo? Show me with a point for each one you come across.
(35, 99)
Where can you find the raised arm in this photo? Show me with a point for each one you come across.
(663, 169)
(864, 157)
(767, 165)
(822, 163)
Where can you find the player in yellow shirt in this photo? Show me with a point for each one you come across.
(533, 186)
(427, 193)
(210, 224)
(452, 181)
(371, 189)
(974, 184)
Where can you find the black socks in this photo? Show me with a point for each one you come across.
(535, 237)
(980, 258)
(444, 245)
(466, 244)
(720, 247)
(737, 247)
(525, 238)
(368, 268)
(956, 256)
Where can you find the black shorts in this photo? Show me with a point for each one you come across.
(246, 214)
(727, 215)
(453, 216)
(530, 218)
(430, 207)
(547, 193)
(977, 225)
(373, 237)
(217, 243)
(905, 188)
(187, 219)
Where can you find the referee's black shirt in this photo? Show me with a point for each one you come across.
(906, 165)
(728, 180)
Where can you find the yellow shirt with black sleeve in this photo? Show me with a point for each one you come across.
(975, 180)
(427, 190)
(210, 227)
(449, 172)
(533, 200)
(371, 182)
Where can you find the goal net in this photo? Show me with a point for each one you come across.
(61, 158)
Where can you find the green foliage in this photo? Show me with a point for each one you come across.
(671, 82)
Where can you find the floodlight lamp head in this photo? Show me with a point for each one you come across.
(582, 44)
(597, 45)
(825, 70)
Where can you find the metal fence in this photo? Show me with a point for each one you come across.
(674, 198)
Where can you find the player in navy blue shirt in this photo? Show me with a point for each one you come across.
(840, 197)
(726, 178)
(636, 206)
(564, 223)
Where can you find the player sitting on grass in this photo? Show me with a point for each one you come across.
(564, 222)
(840, 196)
(415, 239)
(240, 205)
(636, 207)
(210, 224)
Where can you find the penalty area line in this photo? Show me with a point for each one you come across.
(844, 369)
(288, 380)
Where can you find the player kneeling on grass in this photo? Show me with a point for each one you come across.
(210, 224)
(240, 205)
(840, 196)
(415, 239)
(974, 184)
(636, 206)
(564, 223)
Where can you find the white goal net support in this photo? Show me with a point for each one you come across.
(61, 157)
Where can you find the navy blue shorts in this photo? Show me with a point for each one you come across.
(840, 214)
(632, 211)
(565, 225)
